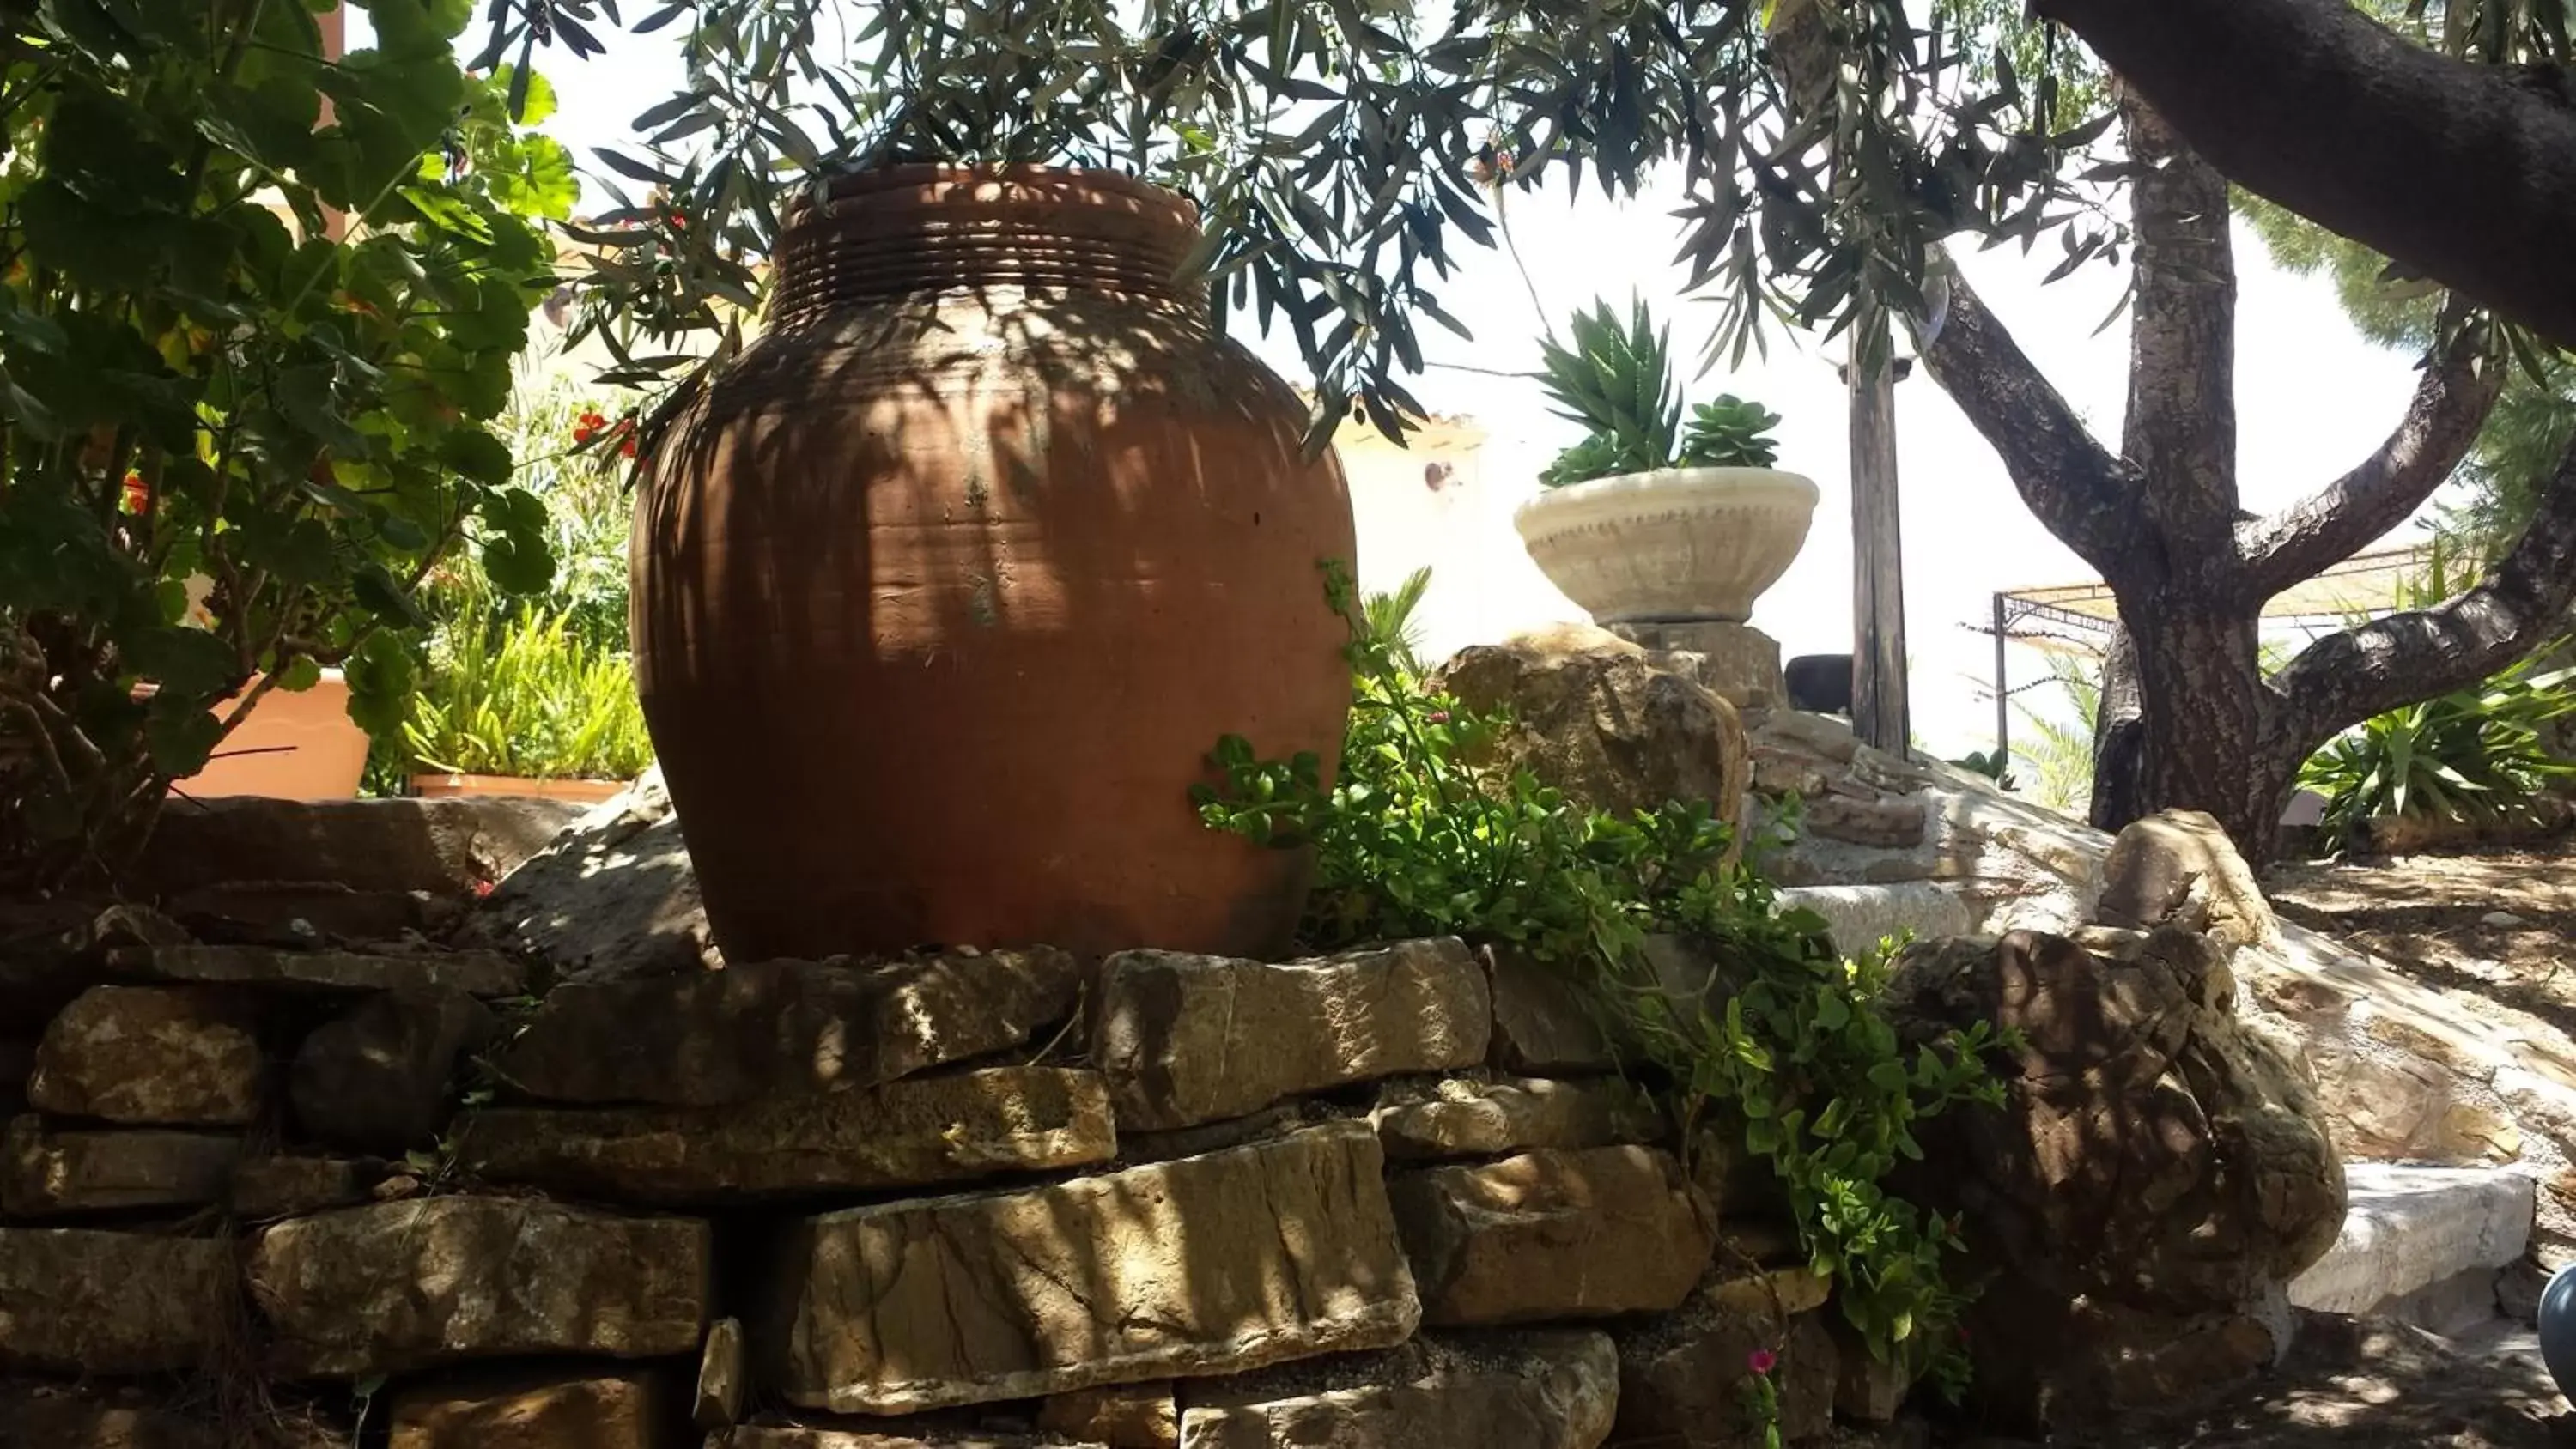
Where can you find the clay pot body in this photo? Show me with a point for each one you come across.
(946, 587)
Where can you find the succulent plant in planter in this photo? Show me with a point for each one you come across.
(1649, 519)
(1616, 379)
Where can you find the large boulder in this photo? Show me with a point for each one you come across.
(1189, 1039)
(1206, 1265)
(613, 897)
(1594, 718)
(2180, 868)
(2157, 1175)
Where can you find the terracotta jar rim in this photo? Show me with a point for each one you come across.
(925, 187)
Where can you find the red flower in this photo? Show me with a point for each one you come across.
(1762, 1361)
(587, 426)
(1437, 716)
(627, 449)
(482, 888)
(137, 493)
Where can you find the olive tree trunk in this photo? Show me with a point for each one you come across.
(2188, 718)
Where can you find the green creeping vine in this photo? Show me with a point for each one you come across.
(1416, 837)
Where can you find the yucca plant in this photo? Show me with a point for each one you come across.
(1616, 379)
(2477, 755)
(531, 696)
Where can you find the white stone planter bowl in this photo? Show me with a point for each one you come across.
(1674, 544)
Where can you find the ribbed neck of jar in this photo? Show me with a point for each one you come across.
(909, 230)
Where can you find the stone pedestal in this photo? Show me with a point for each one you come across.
(1735, 661)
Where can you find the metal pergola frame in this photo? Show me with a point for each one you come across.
(2080, 618)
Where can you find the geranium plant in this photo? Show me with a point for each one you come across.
(258, 305)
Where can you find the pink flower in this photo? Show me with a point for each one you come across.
(1437, 716)
(482, 888)
(1762, 1361)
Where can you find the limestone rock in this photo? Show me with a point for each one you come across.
(1592, 718)
(1889, 824)
(1737, 662)
(403, 1285)
(378, 1076)
(1682, 1378)
(1552, 1390)
(151, 1055)
(723, 1374)
(1187, 1039)
(478, 973)
(443, 847)
(613, 897)
(1127, 1416)
(2157, 1174)
(60, 1416)
(1216, 1264)
(1458, 1118)
(2179, 867)
(715, 1038)
(1860, 916)
(43, 1173)
(1550, 1235)
(2412, 1228)
(309, 913)
(913, 1133)
(74, 1301)
(773, 1436)
(266, 1188)
(531, 1408)
(1544, 1024)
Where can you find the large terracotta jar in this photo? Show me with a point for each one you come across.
(945, 589)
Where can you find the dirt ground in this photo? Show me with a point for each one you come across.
(2492, 930)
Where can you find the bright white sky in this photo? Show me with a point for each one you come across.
(2313, 398)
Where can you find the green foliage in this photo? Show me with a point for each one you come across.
(200, 386)
(2477, 755)
(2058, 754)
(1995, 765)
(1730, 433)
(1342, 153)
(1422, 835)
(531, 696)
(1617, 381)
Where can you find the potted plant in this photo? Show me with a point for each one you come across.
(1649, 519)
(525, 705)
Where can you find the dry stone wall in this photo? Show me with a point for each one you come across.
(318, 1144)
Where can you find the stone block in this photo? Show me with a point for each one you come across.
(380, 1076)
(716, 1038)
(1207, 1265)
(1125, 1416)
(1459, 1118)
(307, 913)
(1682, 1379)
(1187, 1039)
(1544, 1023)
(152, 1055)
(614, 897)
(1860, 916)
(1532, 1390)
(917, 1132)
(266, 1188)
(476, 973)
(532, 1407)
(443, 847)
(1552, 1235)
(74, 1301)
(1887, 824)
(44, 1173)
(404, 1285)
(2408, 1228)
(723, 1374)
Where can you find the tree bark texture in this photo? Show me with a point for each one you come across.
(2187, 718)
(2464, 172)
